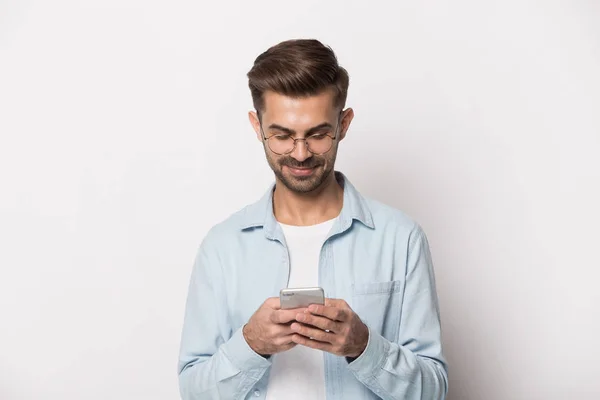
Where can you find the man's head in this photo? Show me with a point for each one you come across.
(299, 92)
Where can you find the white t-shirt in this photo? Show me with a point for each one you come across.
(299, 372)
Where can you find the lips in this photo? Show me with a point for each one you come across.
(301, 171)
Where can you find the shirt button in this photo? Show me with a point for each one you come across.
(257, 393)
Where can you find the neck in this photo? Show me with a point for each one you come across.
(303, 209)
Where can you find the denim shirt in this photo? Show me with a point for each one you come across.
(375, 258)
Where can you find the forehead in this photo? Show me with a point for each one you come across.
(299, 111)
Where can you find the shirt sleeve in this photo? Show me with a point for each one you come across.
(215, 362)
(413, 367)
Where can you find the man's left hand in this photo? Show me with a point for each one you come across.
(332, 327)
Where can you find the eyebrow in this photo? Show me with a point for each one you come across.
(308, 132)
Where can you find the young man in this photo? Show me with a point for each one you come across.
(378, 333)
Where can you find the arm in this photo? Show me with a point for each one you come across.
(214, 362)
(412, 368)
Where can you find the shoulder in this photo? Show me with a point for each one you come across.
(396, 227)
(385, 214)
(228, 228)
(392, 220)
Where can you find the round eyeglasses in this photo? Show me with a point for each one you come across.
(316, 143)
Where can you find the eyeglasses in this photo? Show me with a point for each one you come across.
(317, 144)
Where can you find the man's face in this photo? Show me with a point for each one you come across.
(300, 171)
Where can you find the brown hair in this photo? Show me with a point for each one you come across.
(297, 68)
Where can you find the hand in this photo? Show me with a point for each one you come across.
(334, 328)
(268, 331)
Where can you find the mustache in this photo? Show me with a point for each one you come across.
(293, 163)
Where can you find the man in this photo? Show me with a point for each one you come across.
(378, 333)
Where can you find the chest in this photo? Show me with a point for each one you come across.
(367, 274)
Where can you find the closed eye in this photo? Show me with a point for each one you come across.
(281, 137)
(318, 136)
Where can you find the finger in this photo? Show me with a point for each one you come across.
(273, 302)
(286, 347)
(274, 317)
(339, 303)
(323, 323)
(285, 316)
(313, 333)
(333, 313)
(280, 330)
(284, 340)
(314, 344)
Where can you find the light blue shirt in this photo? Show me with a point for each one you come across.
(375, 258)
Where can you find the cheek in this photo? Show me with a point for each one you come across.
(330, 159)
(273, 159)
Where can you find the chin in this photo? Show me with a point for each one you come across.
(302, 184)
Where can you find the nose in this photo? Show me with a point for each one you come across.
(300, 151)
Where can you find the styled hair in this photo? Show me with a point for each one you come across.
(297, 68)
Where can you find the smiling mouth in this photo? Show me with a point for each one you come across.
(301, 171)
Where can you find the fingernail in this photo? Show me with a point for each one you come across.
(300, 317)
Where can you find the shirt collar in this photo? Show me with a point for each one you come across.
(260, 213)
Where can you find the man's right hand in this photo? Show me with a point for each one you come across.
(269, 329)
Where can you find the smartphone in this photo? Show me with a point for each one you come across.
(301, 297)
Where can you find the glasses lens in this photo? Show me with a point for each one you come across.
(281, 144)
(319, 144)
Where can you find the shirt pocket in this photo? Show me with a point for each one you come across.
(379, 305)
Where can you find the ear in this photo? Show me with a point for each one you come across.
(253, 117)
(347, 117)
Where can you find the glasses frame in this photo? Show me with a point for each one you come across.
(333, 138)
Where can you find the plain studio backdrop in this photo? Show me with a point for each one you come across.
(124, 138)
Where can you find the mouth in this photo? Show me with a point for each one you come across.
(301, 171)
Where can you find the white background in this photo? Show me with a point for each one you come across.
(124, 138)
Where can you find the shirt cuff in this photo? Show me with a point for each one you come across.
(372, 358)
(241, 354)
